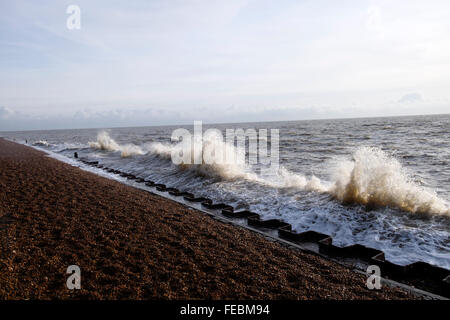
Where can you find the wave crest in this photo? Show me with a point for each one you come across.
(234, 167)
(210, 144)
(374, 178)
(105, 142)
(43, 143)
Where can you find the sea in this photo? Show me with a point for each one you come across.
(380, 182)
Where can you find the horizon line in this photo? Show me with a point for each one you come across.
(239, 122)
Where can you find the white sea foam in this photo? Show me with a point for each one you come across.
(211, 145)
(105, 142)
(375, 178)
(371, 177)
(234, 167)
(41, 143)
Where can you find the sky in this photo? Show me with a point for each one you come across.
(137, 63)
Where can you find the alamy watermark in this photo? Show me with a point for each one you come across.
(373, 273)
(74, 280)
(73, 22)
(210, 147)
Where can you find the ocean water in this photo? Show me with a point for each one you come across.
(380, 182)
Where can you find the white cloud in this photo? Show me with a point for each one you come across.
(411, 98)
(5, 112)
(178, 55)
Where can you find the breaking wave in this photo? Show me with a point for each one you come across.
(371, 178)
(105, 142)
(234, 166)
(374, 178)
(203, 163)
(41, 143)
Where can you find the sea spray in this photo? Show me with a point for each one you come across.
(41, 143)
(105, 142)
(211, 147)
(374, 178)
(235, 167)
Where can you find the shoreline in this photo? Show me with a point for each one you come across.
(131, 244)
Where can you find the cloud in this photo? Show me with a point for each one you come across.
(5, 112)
(411, 98)
(311, 57)
(90, 118)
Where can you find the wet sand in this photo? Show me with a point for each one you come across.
(131, 244)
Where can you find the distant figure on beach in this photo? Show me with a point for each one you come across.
(75, 155)
(26, 141)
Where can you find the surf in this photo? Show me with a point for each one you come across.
(105, 142)
(371, 177)
(374, 178)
